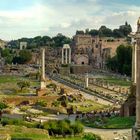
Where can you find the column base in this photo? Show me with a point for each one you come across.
(41, 92)
(136, 133)
(43, 85)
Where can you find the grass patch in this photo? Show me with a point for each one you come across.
(10, 79)
(70, 138)
(120, 122)
(31, 136)
(88, 106)
(117, 81)
(110, 123)
(21, 133)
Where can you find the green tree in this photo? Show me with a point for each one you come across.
(125, 29)
(117, 33)
(60, 40)
(8, 55)
(93, 32)
(3, 106)
(5, 52)
(105, 32)
(24, 57)
(122, 61)
(80, 32)
(23, 84)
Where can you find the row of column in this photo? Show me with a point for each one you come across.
(66, 54)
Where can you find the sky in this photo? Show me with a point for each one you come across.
(30, 18)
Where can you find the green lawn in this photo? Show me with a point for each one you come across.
(10, 79)
(111, 123)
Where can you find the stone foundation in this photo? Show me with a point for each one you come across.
(41, 92)
(64, 70)
(81, 69)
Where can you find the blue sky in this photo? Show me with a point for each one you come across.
(29, 18)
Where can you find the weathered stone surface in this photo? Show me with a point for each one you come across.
(5, 137)
(41, 92)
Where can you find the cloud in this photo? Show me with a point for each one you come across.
(62, 16)
(117, 18)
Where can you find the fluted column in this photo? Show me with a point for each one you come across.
(138, 84)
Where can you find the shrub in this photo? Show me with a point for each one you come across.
(19, 122)
(3, 106)
(77, 127)
(52, 127)
(56, 103)
(63, 127)
(91, 136)
(23, 84)
(21, 139)
(41, 103)
(24, 108)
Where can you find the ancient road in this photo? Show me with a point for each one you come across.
(87, 94)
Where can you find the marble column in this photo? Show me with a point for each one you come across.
(138, 84)
(43, 81)
(62, 56)
(134, 54)
(135, 64)
(86, 81)
(66, 56)
(136, 128)
(69, 55)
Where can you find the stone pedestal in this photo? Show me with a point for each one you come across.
(41, 92)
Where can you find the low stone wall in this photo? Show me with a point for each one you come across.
(81, 69)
